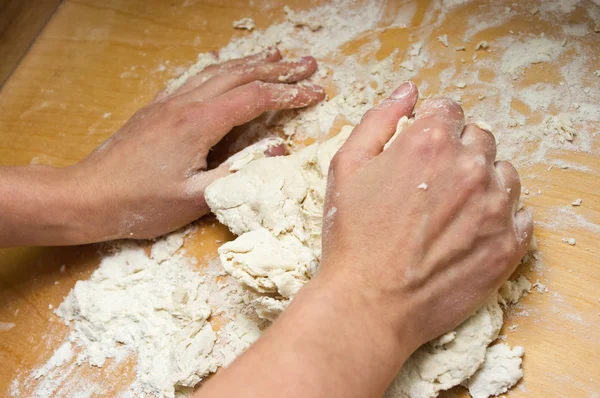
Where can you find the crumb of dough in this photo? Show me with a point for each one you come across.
(297, 20)
(570, 241)
(540, 287)
(482, 45)
(443, 39)
(244, 23)
(577, 202)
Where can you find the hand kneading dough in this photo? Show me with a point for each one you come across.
(275, 205)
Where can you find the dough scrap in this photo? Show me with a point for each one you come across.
(275, 206)
(434, 368)
(512, 291)
(500, 371)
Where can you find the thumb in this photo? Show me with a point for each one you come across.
(379, 124)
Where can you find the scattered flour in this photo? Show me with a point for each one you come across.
(153, 306)
(533, 51)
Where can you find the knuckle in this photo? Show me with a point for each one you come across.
(257, 90)
(473, 171)
(498, 207)
(441, 105)
(421, 144)
(338, 161)
(438, 137)
(508, 248)
(430, 140)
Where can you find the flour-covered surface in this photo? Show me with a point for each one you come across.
(143, 306)
(536, 84)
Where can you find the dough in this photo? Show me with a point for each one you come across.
(434, 368)
(275, 205)
(500, 371)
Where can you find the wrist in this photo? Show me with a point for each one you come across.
(375, 316)
(61, 204)
(90, 215)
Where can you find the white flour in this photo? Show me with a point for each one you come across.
(153, 306)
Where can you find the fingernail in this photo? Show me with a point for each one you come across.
(403, 90)
(305, 60)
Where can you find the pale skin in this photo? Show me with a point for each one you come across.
(416, 237)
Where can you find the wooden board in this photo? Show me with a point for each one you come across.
(20, 23)
(96, 62)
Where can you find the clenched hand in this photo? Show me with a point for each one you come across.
(429, 226)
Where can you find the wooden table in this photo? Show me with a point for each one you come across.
(96, 62)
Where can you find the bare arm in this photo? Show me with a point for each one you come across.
(40, 204)
(149, 177)
(421, 235)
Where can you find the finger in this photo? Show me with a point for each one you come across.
(247, 102)
(509, 181)
(273, 72)
(378, 125)
(479, 141)
(271, 54)
(440, 114)
(523, 223)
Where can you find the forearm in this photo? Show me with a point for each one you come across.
(42, 205)
(331, 341)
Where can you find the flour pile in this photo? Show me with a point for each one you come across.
(155, 306)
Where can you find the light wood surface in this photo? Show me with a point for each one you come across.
(96, 62)
(20, 23)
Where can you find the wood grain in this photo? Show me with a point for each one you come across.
(20, 23)
(96, 62)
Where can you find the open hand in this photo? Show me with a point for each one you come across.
(149, 177)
